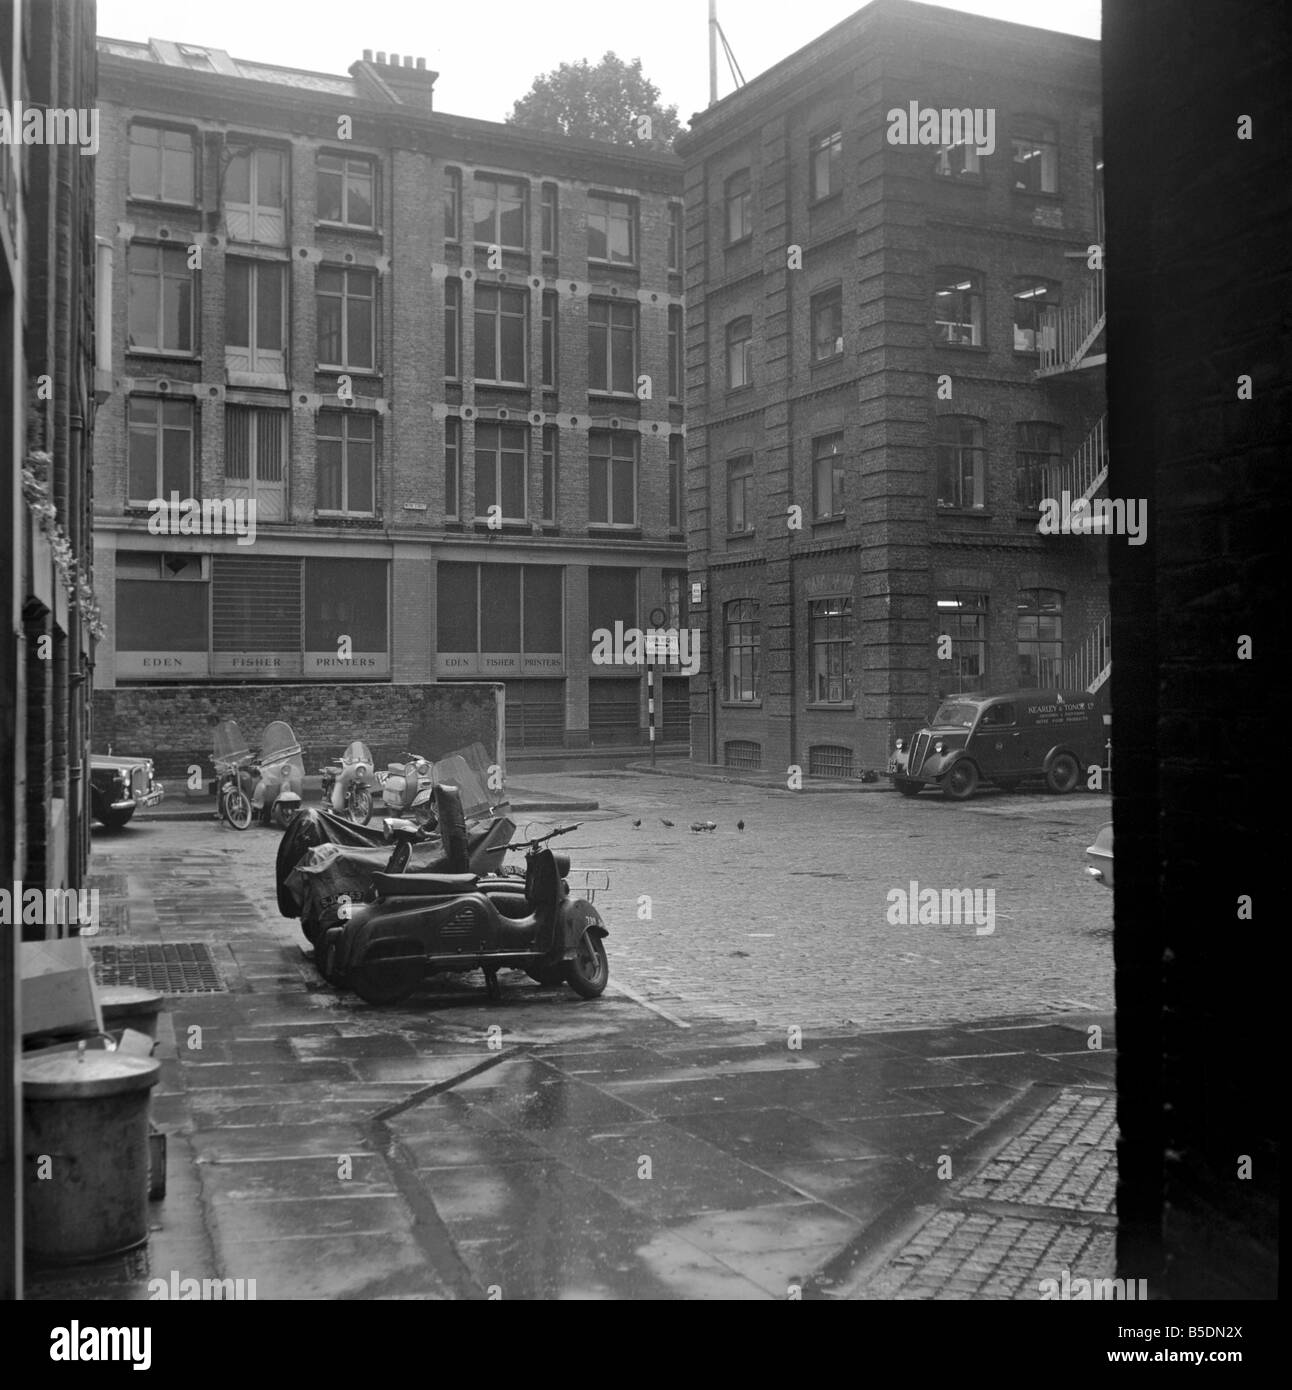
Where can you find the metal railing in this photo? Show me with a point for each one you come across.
(1092, 663)
(1069, 332)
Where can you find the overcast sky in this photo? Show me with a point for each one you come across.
(488, 53)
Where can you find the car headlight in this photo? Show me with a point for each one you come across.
(900, 744)
(939, 746)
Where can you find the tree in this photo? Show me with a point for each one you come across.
(613, 101)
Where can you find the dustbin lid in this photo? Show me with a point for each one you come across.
(81, 1076)
(116, 1000)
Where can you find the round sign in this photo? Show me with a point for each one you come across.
(657, 617)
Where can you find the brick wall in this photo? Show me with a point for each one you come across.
(173, 725)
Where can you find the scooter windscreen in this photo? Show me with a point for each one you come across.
(281, 758)
(358, 754)
(231, 748)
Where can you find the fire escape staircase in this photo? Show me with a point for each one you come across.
(1079, 480)
(1089, 667)
(1069, 334)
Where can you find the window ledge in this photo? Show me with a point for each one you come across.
(740, 704)
(348, 228)
(963, 347)
(608, 529)
(614, 265)
(824, 200)
(168, 354)
(838, 519)
(828, 361)
(844, 707)
(978, 512)
(741, 242)
(509, 527)
(161, 204)
(741, 535)
(1028, 193)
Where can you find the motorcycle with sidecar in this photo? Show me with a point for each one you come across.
(424, 923)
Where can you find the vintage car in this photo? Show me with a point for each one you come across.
(119, 785)
(1099, 856)
(1003, 739)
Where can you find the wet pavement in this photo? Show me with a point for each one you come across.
(637, 1146)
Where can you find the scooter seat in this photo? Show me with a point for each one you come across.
(424, 885)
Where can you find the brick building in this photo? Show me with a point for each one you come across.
(893, 355)
(47, 407)
(441, 355)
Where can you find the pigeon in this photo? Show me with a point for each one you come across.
(637, 825)
(669, 823)
(740, 825)
(699, 825)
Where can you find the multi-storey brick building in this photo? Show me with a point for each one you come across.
(441, 355)
(888, 337)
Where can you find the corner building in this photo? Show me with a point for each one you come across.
(894, 352)
(443, 357)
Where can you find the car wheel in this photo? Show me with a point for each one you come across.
(908, 788)
(1064, 773)
(117, 820)
(962, 781)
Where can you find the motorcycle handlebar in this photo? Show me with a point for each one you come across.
(542, 839)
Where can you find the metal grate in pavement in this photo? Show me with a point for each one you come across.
(174, 967)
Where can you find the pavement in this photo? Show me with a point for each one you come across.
(764, 1135)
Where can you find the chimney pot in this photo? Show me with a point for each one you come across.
(394, 60)
(421, 64)
(367, 55)
(381, 57)
(408, 60)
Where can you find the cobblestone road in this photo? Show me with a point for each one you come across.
(786, 922)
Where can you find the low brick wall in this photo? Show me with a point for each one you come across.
(172, 724)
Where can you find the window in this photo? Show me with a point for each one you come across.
(550, 345)
(827, 476)
(612, 478)
(958, 160)
(1031, 298)
(957, 307)
(1098, 160)
(676, 479)
(827, 324)
(346, 190)
(161, 298)
(550, 218)
(452, 326)
(502, 333)
(254, 199)
(255, 453)
(830, 638)
(612, 346)
(1037, 456)
(739, 219)
(740, 495)
(501, 459)
(161, 449)
(826, 164)
(1036, 157)
(740, 353)
(255, 316)
(1040, 638)
(551, 468)
(452, 204)
(347, 318)
(675, 599)
(962, 464)
(675, 352)
(347, 473)
(998, 717)
(453, 468)
(612, 229)
(742, 640)
(500, 212)
(162, 164)
(675, 234)
(963, 618)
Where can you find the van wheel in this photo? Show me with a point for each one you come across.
(961, 781)
(908, 788)
(1064, 773)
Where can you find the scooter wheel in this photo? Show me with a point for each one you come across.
(359, 808)
(236, 808)
(325, 961)
(589, 972)
(284, 814)
(386, 979)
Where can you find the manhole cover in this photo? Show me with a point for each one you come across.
(175, 967)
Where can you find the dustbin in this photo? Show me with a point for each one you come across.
(85, 1149)
(125, 1006)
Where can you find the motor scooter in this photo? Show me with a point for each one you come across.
(235, 778)
(347, 784)
(325, 862)
(406, 788)
(280, 773)
(423, 923)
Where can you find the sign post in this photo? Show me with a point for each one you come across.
(656, 646)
